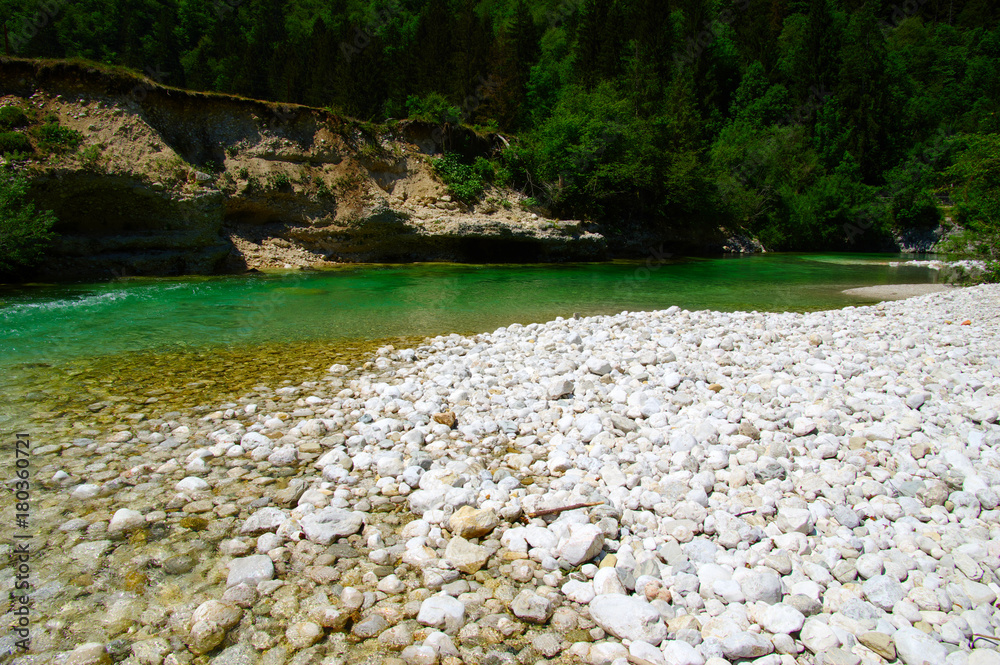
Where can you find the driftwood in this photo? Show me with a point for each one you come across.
(562, 509)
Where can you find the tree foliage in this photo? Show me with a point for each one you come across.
(812, 124)
(25, 232)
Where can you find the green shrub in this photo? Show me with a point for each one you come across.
(252, 186)
(974, 182)
(12, 116)
(24, 231)
(278, 181)
(14, 142)
(91, 155)
(433, 108)
(52, 137)
(466, 182)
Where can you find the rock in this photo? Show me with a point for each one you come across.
(466, 556)
(90, 555)
(303, 634)
(579, 592)
(237, 654)
(763, 585)
(880, 643)
(915, 647)
(250, 570)
(846, 516)
(598, 366)
(627, 617)
(559, 388)
(398, 637)
(469, 522)
(547, 644)
(838, 656)
(446, 418)
(817, 636)
(679, 652)
(742, 645)
(151, 651)
(583, 544)
(323, 526)
(125, 520)
(443, 612)
(90, 653)
(205, 636)
(370, 626)
(442, 644)
(883, 592)
(782, 618)
(984, 656)
(86, 491)
(606, 581)
(264, 520)
(795, 520)
(221, 614)
(419, 655)
(644, 653)
(531, 607)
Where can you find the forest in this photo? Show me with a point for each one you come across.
(830, 124)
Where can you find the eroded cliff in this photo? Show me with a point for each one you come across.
(170, 181)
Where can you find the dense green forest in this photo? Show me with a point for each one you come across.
(821, 124)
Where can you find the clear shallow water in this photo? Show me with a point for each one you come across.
(52, 323)
(142, 334)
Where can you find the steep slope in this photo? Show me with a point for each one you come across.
(171, 181)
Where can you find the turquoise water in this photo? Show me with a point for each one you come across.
(136, 335)
(52, 323)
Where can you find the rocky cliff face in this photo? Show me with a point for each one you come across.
(170, 181)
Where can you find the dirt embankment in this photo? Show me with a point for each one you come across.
(171, 181)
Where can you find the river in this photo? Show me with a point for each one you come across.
(142, 347)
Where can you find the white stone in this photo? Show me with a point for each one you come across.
(323, 526)
(442, 611)
(679, 652)
(782, 618)
(583, 544)
(818, 636)
(628, 617)
(191, 484)
(263, 520)
(250, 570)
(915, 647)
(125, 520)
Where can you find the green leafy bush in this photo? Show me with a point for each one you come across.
(278, 181)
(24, 231)
(974, 182)
(433, 108)
(466, 182)
(54, 138)
(12, 116)
(91, 155)
(14, 142)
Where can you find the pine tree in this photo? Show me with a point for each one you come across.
(865, 91)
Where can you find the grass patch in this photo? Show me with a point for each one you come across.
(14, 143)
(12, 117)
(54, 138)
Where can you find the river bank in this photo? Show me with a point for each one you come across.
(765, 485)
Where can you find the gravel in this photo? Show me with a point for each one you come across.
(670, 487)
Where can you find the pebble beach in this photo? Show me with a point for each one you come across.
(668, 487)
